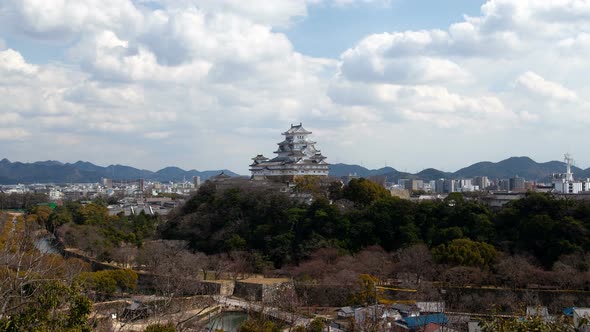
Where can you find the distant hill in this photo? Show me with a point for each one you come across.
(432, 174)
(522, 166)
(339, 170)
(56, 172)
(513, 166)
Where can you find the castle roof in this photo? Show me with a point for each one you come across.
(297, 129)
(259, 157)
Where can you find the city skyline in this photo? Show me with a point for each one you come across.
(208, 84)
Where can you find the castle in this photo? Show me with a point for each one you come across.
(296, 156)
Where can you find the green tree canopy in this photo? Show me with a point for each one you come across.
(364, 192)
(465, 252)
(54, 307)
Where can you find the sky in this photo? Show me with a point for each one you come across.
(209, 84)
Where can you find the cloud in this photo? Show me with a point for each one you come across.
(434, 105)
(229, 72)
(405, 70)
(276, 13)
(576, 46)
(467, 72)
(13, 134)
(539, 87)
(180, 36)
(12, 63)
(207, 77)
(348, 3)
(158, 135)
(10, 118)
(65, 20)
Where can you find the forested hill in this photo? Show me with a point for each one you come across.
(56, 172)
(465, 232)
(508, 168)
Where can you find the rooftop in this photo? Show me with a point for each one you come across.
(419, 321)
(297, 129)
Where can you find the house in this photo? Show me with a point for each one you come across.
(376, 316)
(346, 312)
(431, 307)
(581, 319)
(406, 310)
(537, 311)
(432, 327)
(136, 310)
(473, 326)
(418, 323)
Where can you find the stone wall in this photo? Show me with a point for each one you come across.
(265, 290)
(324, 295)
(220, 287)
(248, 291)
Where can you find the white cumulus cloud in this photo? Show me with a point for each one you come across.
(540, 87)
(189, 80)
(12, 63)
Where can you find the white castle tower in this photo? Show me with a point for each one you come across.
(296, 156)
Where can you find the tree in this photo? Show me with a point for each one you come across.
(525, 323)
(161, 328)
(374, 261)
(463, 276)
(364, 192)
(53, 306)
(108, 282)
(465, 252)
(367, 291)
(42, 213)
(174, 268)
(60, 216)
(316, 325)
(416, 260)
(308, 184)
(174, 273)
(259, 324)
(36, 288)
(517, 271)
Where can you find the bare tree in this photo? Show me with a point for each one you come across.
(375, 261)
(24, 268)
(415, 262)
(125, 256)
(175, 273)
(517, 271)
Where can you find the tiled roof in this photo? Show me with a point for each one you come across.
(419, 321)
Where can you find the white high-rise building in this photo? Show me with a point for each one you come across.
(564, 182)
(296, 156)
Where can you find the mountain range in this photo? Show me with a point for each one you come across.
(51, 171)
(514, 166)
